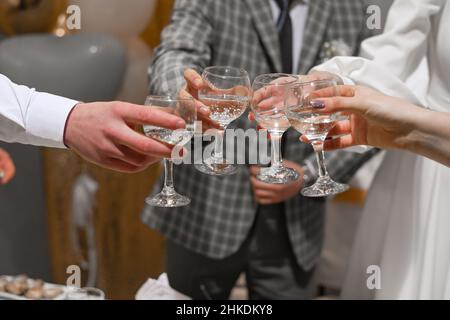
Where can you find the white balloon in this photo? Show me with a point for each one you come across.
(135, 83)
(123, 19)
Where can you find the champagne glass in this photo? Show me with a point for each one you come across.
(269, 91)
(227, 95)
(185, 109)
(315, 126)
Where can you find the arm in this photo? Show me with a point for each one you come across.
(31, 117)
(387, 122)
(100, 132)
(185, 43)
(431, 138)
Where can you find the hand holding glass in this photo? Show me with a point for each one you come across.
(269, 91)
(227, 95)
(185, 109)
(315, 126)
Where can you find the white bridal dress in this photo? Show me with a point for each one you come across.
(405, 226)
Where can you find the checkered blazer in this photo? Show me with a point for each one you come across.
(242, 33)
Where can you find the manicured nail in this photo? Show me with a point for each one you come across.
(317, 104)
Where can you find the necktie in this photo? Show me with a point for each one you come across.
(284, 28)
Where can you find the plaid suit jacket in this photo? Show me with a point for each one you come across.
(242, 33)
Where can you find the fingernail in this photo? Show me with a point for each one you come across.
(181, 123)
(318, 104)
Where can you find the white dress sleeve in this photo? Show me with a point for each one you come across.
(31, 117)
(387, 60)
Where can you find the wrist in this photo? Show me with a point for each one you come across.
(67, 137)
(419, 125)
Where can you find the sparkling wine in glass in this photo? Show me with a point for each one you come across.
(185, 109)
(269, 92)
(227, 96)
(315, 126)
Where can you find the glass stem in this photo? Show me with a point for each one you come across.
(168, 176)
(276, 159)
(218, 146)
(320, 156)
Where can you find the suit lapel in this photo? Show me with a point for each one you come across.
(263, 20)
(315, 30)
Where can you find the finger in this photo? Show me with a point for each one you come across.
(265, 186)
(193, 79)
(121, 166)
(341, 128)
(263, 194)
(254, 170)
(140, 143)
(339, 143)
(265, 201)
(202, 110)
(134, 158)
(144, 115)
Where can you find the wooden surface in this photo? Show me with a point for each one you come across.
(128, 251)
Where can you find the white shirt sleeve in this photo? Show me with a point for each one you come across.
(387, 60)
(31, 117)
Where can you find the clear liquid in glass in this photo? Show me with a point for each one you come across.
(313, 126)
(225, 108)
(172, 137)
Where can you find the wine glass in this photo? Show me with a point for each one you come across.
(185, 109)
(269, 91)
(315, 126)
(227, 96)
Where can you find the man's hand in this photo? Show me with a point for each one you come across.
(7, 168)
(195, 83)
(266, 194)
(102, 133)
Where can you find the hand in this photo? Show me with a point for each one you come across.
(266, 194)
(273, 96)
(375, 119)
(195, 83)
(6, 167)
(102, 133)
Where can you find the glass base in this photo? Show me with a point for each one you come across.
(278, 175)
(214, 167)
(168, 199)
(323, 187)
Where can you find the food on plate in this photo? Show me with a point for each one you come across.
(22, 286)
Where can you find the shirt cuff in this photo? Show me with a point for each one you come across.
(47, 118)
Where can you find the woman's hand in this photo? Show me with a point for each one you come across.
(375, 119)
(7, 168)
